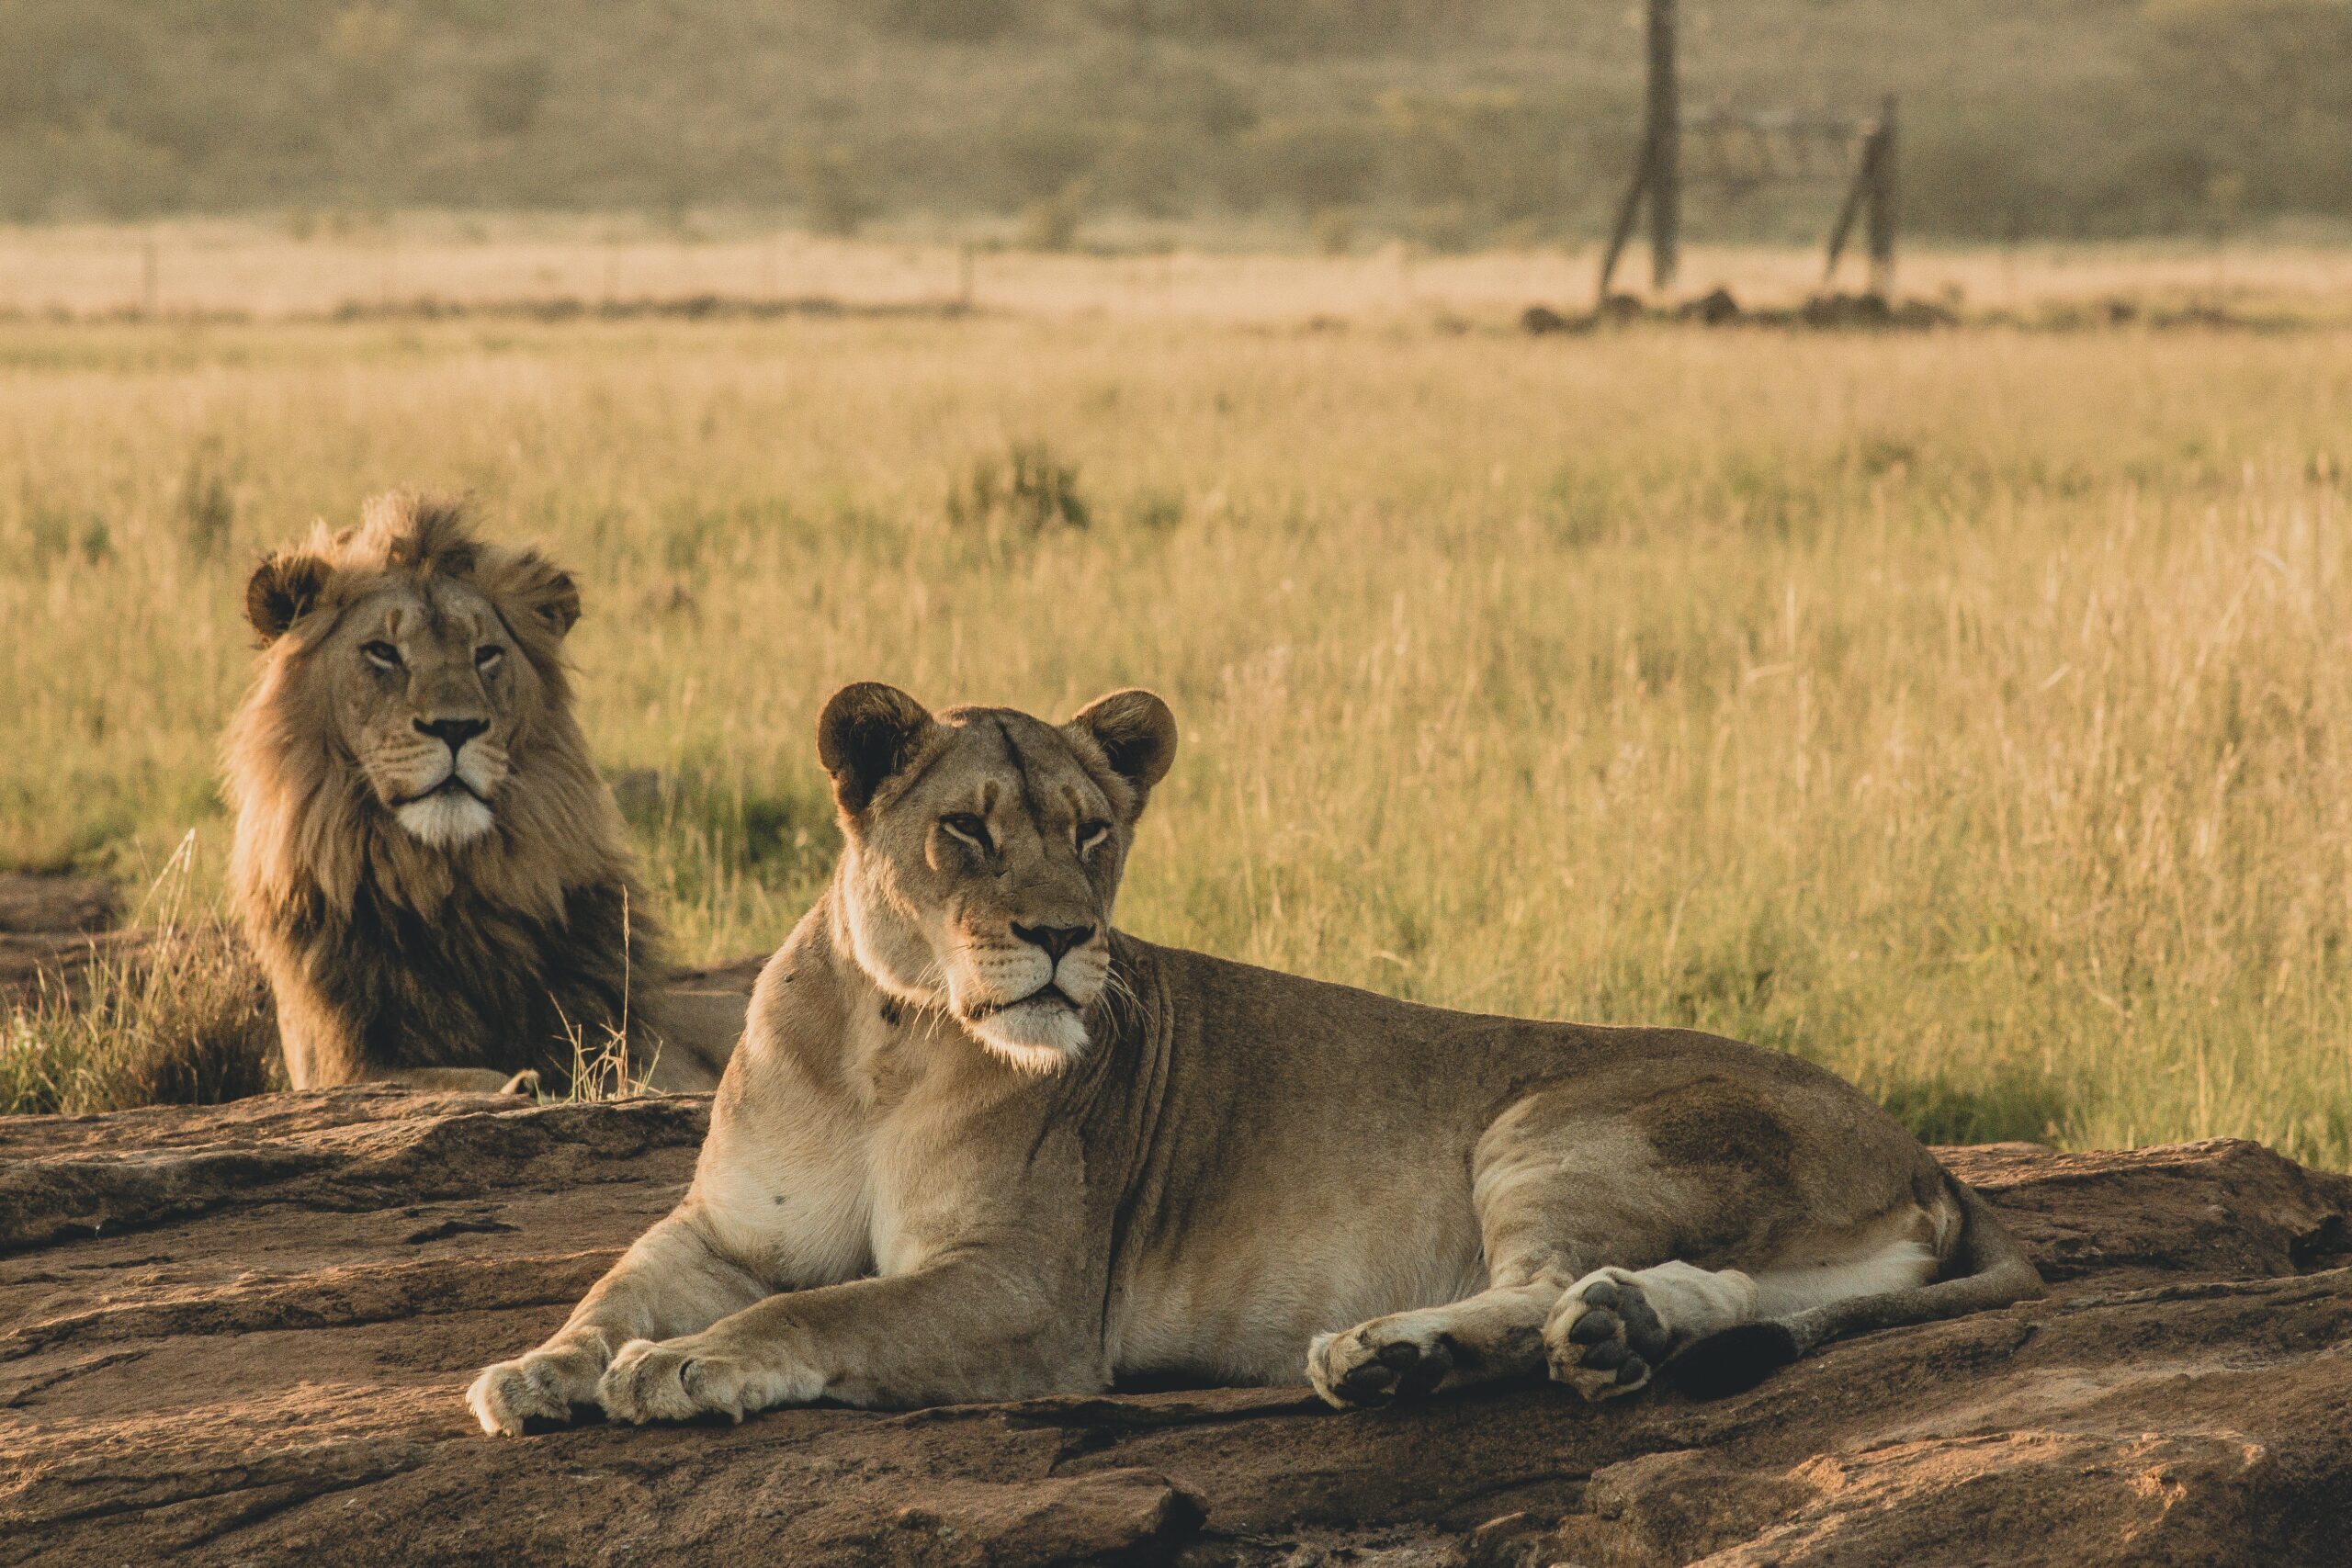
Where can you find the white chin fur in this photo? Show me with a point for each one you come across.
(444, 821)
(1037, 1037)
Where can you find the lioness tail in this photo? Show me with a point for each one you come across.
(1998, 1273)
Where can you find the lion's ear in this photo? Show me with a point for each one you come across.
(536, 587)
(869, 732)
(282, 590)
(1136, 733)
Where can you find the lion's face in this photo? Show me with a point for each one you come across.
(429, 696)
(423, 663)
(985, 851)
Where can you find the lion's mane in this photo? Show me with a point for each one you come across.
(386, 953)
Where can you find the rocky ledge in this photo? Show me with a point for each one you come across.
(240, 1334)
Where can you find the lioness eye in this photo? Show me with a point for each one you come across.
(968, 828)
(382, 655)
(486, 656)
(1090, 834)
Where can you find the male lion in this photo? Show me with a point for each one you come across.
(977, 1145)
(426, 864)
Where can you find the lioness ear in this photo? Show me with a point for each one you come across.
(1138, 735)
(282, 590)
(869, 732)
(540, 589)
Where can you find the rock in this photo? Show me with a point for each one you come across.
(1717, 308)
(38, 964)
(50, 930)
(216, 1052)
(240, 1335)
(30, 903)
(734, 978)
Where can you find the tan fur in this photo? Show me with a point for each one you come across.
(919, 1188)
(447, 908)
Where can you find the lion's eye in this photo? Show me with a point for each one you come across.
(487, 657)
(1090, 834)
(382, 655)
(968, 828)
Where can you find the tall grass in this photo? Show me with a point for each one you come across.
(183, 1019)
(1966, 711)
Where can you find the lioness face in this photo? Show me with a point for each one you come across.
(985, 851)
(430, 679)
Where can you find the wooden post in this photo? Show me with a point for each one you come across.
(1657, 172)
(1880, 225)
(1870, 198)
(1664, 141)
(1622, 230)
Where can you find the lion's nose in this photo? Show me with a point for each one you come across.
(454, 732)
(1054, 940)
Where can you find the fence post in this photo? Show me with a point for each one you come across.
(1622, 230)
(1657, 172)
(1882, 210)
(1664, 148)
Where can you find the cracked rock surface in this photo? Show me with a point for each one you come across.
(240, 1334)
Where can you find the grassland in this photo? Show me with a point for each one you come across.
(1965, 710)
(423, 263)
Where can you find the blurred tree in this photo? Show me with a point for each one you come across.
(508, 95)
(830, 193)
(965, 21)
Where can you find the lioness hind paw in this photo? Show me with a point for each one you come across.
(1604, 1338)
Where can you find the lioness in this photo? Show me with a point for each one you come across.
(979, 1146)
(430, 870)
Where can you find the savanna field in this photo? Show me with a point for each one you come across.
(1967, 710)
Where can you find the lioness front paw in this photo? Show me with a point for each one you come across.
(1604, 1338)
(650, 1381)
(1378, 1362)
(543, 1384)
(678, 1379)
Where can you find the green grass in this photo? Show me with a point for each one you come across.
(1964, 711)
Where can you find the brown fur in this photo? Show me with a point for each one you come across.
(1197, 1170)
(392, 955)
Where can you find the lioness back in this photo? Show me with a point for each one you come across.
(1284, 1093)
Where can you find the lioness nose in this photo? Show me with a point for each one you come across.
(455, 733)
(1054, 940)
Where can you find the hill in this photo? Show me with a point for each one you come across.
(1442, 120)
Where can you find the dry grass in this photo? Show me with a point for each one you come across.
(1965, 711)
(195, 266)
(185, 1021)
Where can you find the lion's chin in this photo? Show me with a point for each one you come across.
(1041, 1036)
(444, 821)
